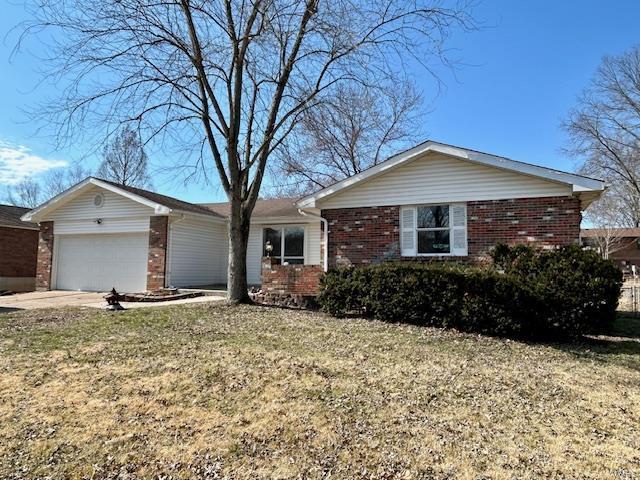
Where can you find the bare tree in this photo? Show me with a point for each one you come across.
(230, 79)
(125, 161)
(355, 129)
(26, 193)
(606, 217)
(58, 180)
(32, 192)
(605, 129)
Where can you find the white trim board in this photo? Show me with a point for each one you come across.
(40, 213)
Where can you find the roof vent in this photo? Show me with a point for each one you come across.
(98, 200)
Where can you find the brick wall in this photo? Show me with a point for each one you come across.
(157, 264)
(45, 256)
(540, 221)
(363, 235)
(18, 252)
(290, 279)
(371, 235)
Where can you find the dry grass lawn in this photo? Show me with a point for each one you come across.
(251, 392)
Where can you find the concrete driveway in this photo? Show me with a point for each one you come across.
(60, 298)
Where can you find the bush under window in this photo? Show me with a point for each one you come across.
(527, 293)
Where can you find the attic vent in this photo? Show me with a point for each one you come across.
(98, 200)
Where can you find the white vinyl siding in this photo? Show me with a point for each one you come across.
(101, 262)
(312, 238)
(254, 255)
(312, 247)
(457, 228)
(114, 206)
(436, 178)
(197, 252)
(107, 225)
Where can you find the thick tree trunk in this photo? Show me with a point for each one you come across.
(237, 287)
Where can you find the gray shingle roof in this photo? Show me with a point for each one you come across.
(274, 207)
(10, 217)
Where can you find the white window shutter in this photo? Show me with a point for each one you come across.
(459, 229)
(408, 241)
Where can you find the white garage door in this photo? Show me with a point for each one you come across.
(101, 262)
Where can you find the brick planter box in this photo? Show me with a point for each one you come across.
(289, 285)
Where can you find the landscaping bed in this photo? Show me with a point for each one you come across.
(256, 392)
(160, 296)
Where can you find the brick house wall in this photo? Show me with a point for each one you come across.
(45, 256)
(290, 279)
(157, 263)
(370, 235)
(18, 252)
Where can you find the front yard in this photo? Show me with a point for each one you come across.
(251, 392)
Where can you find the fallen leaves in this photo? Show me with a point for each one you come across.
(253, 392)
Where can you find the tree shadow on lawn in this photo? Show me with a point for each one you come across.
(623, 342)
(9, 310)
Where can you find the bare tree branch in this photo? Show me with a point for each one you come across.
(236, 76)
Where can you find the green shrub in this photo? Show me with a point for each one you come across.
(577, 289)
(527, 293)
(340, 291)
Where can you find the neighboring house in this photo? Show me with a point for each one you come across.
(18, 250)
(623, 244)
(432, 201)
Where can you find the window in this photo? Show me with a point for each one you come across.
(287, 244)
(434, 230)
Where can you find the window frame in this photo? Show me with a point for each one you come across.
(281, 255)
(435, 229)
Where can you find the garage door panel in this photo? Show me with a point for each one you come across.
(101, 262)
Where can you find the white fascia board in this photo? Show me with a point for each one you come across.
(199, 216)
(158, 208)
(36, 214)
(576, 181)
(63, 198)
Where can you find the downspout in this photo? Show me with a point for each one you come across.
(325, 253)
(172, 222)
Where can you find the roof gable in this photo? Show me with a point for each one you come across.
(160, 204)
(577, 183)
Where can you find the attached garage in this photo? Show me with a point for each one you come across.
(99, 235)
(100, 262)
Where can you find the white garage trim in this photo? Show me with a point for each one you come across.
(106, 225)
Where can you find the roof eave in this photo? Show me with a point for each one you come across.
(216, 218)
(577, 182)
(37, 214)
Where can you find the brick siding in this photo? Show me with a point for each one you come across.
(157, 264)
(18, 252)
(290, 279)
(369, 235)
(539, 221)
(45, 256)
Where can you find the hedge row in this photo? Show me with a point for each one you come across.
(527, 293)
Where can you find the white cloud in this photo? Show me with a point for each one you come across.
(17, 163)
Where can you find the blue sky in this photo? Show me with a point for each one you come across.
(522, 73)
